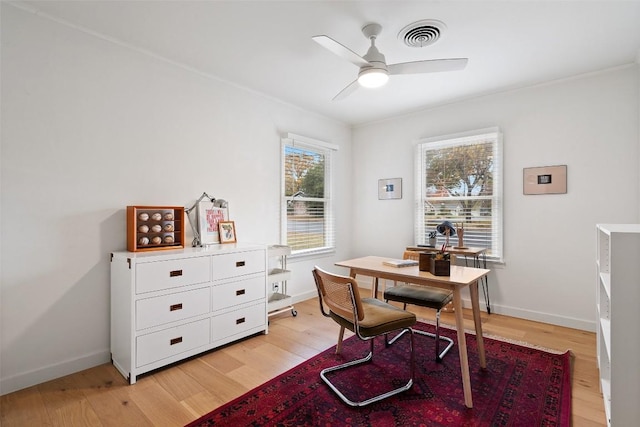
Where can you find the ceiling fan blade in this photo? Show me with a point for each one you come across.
(346, 91)
(428, 66)
(341, 50)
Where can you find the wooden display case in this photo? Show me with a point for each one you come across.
(152, 228)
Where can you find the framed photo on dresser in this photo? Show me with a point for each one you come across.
(227, 231)
(209, 216)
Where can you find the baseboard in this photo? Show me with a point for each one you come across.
(51, 372)
(305, 296)
(537, 316)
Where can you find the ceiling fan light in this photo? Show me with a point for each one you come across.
(373, 78)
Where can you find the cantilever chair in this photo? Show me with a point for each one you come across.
(367, 318)
(423, 296)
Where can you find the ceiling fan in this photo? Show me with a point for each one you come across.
(374, 71)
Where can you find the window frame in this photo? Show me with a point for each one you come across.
(327, 150)
(495, 250)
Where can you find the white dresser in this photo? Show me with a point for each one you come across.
(169, 305)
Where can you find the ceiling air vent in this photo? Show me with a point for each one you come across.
(422, 33)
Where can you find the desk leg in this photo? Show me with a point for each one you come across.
(374, 288)
(485, 280)
(340, 338)
(462, 348)
(475, 304)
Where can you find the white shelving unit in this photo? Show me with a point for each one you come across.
(618, 314)
(279, 300)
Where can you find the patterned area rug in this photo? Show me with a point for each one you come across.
(521, 386)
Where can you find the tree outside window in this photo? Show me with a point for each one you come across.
(460, 181)
(307, 207)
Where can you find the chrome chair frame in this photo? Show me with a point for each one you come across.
(422, 297)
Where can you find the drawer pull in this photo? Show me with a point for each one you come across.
(175, 307)
(240, 292)
(175, 273)
(239, 321)
(175, 341)
(240, 264)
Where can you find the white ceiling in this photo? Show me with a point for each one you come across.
(266, 46)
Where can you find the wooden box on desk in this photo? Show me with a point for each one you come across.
(153, 228)
(437, 267)
(440, 267)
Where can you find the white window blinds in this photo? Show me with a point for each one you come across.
(459, 179)
(306, 203)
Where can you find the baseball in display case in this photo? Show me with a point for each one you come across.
(152, 228)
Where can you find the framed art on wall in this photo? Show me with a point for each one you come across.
(390, 188)
(545, 180)
(227, 231)
(209, 216)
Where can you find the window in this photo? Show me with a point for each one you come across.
(459, 179)
(307, 209)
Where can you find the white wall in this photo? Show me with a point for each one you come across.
(89, 127)
(589, 123)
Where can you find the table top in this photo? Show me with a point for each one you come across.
(471, 251)
(373, 266)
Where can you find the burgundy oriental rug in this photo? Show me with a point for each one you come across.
(521, 387)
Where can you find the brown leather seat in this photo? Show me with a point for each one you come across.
(419, 295)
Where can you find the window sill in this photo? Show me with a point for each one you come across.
(311, 253)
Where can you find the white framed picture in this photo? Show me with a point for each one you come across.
(390, 188)
(208, 218)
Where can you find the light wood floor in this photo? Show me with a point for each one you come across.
(179, 394)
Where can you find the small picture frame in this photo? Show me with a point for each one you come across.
(209, 216)
(390, 188)
(227, 230)
(545, 180)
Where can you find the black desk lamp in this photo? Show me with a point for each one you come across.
(447, 229)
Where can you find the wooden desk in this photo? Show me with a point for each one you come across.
(479, 256)
(372, 266)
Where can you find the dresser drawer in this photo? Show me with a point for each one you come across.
(238, 292)
(172, 341)
(173, 273)
(237, 322)
(238, 264)
(170, 308)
